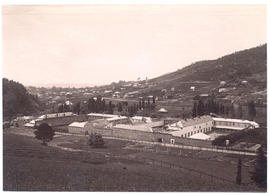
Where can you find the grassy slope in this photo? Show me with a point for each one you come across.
(30, 166)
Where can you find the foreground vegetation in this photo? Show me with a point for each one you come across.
(31, 166)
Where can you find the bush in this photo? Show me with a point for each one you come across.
(95, 140)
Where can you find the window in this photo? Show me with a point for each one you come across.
(160, 140)
(185, 135)
(201, 130)
(182, 135)
(172, 141)
(188, 134)
(198, 131)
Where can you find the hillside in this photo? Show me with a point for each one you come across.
(249, 64)
(17, 101)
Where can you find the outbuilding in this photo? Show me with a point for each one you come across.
(77, 127)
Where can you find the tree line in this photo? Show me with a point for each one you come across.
(201, 108)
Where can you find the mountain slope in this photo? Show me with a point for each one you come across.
(249, 64)
(17, 101)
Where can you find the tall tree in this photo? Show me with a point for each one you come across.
(201, 108)
(119, 107)
(77, 108)
(251, 110)
(240, 111)
(239, 172)
(194, 109)
(259, 175)
(45, 133)
(110, 109)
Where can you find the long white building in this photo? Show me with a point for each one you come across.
(233, 124)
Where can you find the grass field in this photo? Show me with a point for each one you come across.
(30, 166)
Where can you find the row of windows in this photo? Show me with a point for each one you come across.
(194, 132)
(230, 124)
(206, 124)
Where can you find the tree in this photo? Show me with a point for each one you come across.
(240, 111)
(259, 175)
(200, 108)
(61, 108)
(194, 109)
(95, 140)
(239, 172)
(77, 108)
(251, 110)
(110, 109)
(119, 107)
(45, 133)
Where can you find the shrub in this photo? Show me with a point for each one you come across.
(95, 140)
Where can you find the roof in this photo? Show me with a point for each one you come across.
(54, 115)
(141, 118)
(162, 110)
(77, 124)
(253, 123)
(201, 136)
(29, 125)
(103, 115)
(135, 127)
(116, 118)
(190, 122)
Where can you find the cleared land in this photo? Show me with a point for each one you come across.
(30, 166)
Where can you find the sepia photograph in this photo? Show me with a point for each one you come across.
(134, 97)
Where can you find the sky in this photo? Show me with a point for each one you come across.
(100, 44)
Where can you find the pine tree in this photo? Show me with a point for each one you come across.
(251, 110)
(259, 175)
(239, 172)
(240, 111)
(194, 109)
(201, 108)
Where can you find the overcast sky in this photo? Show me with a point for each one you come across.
(100, 44)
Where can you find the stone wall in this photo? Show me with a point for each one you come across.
(149, 136)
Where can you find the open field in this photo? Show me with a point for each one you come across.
(30, 166)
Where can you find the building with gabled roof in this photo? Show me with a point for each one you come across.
(188, 127)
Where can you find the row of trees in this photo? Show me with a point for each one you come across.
(211, 106)
(98, 105)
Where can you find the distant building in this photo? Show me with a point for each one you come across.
(22, 120)
(162, 110)
(141, 119)
(56, 115)
(187, 128)
(222, 83)
(200, 136)
(233, 124)
(77, 127)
